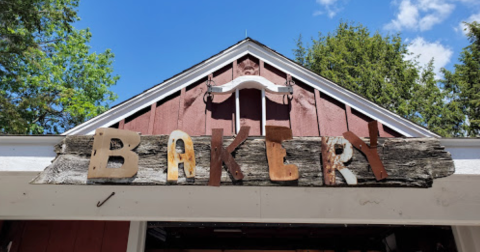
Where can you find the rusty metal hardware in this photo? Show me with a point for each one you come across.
(99, 204)
(209, 87)
(219, 155)
(335, 152)
(175, 158)
(369, 151)
(101, 153)
(279, 171)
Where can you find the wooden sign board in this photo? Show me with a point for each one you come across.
(409, 162)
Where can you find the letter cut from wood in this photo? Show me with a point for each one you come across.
(219, 155)
(277, 170)
(369, 151)
(101, 153)
(175, 158)
(336, 151)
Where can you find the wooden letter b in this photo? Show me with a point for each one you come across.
(101, 153)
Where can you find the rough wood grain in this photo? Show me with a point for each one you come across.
(410, 162)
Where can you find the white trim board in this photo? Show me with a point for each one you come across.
(451, 201)
(270, 57)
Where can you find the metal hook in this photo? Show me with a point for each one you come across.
(103, 202)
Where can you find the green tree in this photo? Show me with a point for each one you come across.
(300, 51)
(463, 86)
(49, 81)
(376, 67)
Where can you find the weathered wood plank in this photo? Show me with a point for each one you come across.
(410, 162)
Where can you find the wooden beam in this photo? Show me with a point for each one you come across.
(181, 109)
(320, 112)
(208, 112)
(412, 162)
(121, 124)
(151, 122)
(451, 201)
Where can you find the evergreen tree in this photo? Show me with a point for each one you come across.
(300, 51)
(375, 67)
(463, 86)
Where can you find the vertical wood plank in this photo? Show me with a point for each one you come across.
(277, 106)
(195, 108)
(208, 114)
(151, 121)
(89, 236)
(262, 68)
(181, 106)
(348, 115)
(223, 106)
(15, 234)
(62, 236)
(115, 237)
(139, 121)
(357, 122)
(121, 125)
(302, 114)
(250, 109)
(234, 69)
(333, 120)
(166, 115)
(35, 236)
(320, 111)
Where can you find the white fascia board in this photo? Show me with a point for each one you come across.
(158, 93)
(451, 201)
(30, 140)
(27, 153)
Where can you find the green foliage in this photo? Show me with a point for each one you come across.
(49, 81)
(463, 86)
(376, 67)
(300, 51)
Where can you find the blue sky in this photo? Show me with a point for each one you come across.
(154, 40)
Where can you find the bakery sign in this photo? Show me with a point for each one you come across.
(114, 156)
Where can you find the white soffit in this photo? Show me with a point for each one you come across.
(270, 57)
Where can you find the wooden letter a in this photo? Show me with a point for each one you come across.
(174, 158)
(101, 153)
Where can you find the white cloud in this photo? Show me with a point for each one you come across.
(462, 27)
(427, 50)
(420, 14)
(330, 6)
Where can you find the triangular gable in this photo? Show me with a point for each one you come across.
(269, 56)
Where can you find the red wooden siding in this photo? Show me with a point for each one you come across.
(303, 114)
(221, 111)
(194, 109)
(357, 122)
(68, 236)
(277, 106)
(166, 115)
(308, 113)
(139, 121)
(251, 110)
